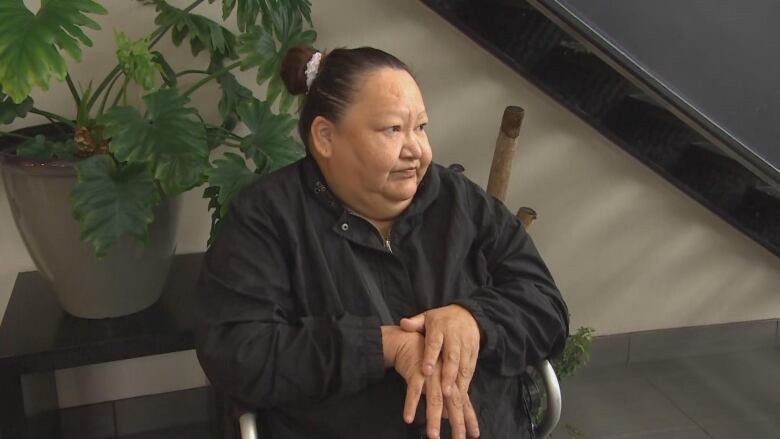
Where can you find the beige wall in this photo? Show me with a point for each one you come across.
(628, 250)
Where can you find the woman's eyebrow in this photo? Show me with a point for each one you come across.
(399, 113)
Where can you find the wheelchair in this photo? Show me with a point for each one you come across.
(550, 394)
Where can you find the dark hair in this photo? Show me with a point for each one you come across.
(336, 82)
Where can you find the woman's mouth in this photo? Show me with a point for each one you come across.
(406, 173)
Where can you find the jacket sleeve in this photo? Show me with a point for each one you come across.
(251, 341)
(521, 311)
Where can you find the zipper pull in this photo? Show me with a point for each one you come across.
(387, 245)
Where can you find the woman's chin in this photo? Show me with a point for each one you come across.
(403, 192)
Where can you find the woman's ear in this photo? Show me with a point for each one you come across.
(321, 135)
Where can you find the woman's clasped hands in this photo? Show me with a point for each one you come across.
(436, 353)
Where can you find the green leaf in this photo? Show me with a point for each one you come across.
(248, 10)
(212, 192)
(203, 33)
(275, 88)
(136, 60)
(10, 110)
(167, 136)
(233, 94)
(261, 49)
(270, 144)
(40, 148)
(303, 7)
(286, 102)
(215, 137)
(110, 200)
(29, 42)
(230, 174)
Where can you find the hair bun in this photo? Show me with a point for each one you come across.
(293, 70)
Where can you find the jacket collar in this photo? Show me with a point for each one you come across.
(314, 180)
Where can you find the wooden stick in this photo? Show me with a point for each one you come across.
(526, 215)
(506, 146)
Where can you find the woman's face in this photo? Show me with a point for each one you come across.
(379, 151)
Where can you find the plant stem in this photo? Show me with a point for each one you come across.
(208, 78)
(121, 91)
(105, 96)
(53, 116)
(18, 136)
(156, 35)
(229, 134)
(187, 72)
(73, 90)
(160, 31)
(110, 77)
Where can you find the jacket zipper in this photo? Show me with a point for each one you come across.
(386, 241)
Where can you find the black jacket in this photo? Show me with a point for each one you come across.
(286, 325)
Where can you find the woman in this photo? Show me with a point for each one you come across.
(366, 291)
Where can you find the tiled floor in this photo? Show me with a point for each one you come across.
(725, 396)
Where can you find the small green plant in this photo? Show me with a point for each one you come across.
(575, 354)
(128, 158)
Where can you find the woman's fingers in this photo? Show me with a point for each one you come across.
(413, 390)
(469, 415)
(433, 344)
(454, 406)
(468, 362)
(451, 359)
(434, 404)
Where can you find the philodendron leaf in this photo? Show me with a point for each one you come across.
(212, 193)
(40, 148)
(233, 94)
(136, 60)
(9, 110)
(167, 137)
(215, 136)
(260, 49)
(30, 42)
(110, 201)
(203, 33)
(248, 10)
(303, 7)
(270, 144)
(229, 174)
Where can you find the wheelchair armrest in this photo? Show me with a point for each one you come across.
(248, 420)
(553, 389)
(248, 424)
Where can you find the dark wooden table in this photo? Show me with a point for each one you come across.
(38, 337)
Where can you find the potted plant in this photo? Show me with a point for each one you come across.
(95, 193)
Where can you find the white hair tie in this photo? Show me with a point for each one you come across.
(311, 68)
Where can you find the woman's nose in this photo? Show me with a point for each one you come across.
(412, 147)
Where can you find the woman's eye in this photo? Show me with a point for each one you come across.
(422, 125)
(394, 128)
